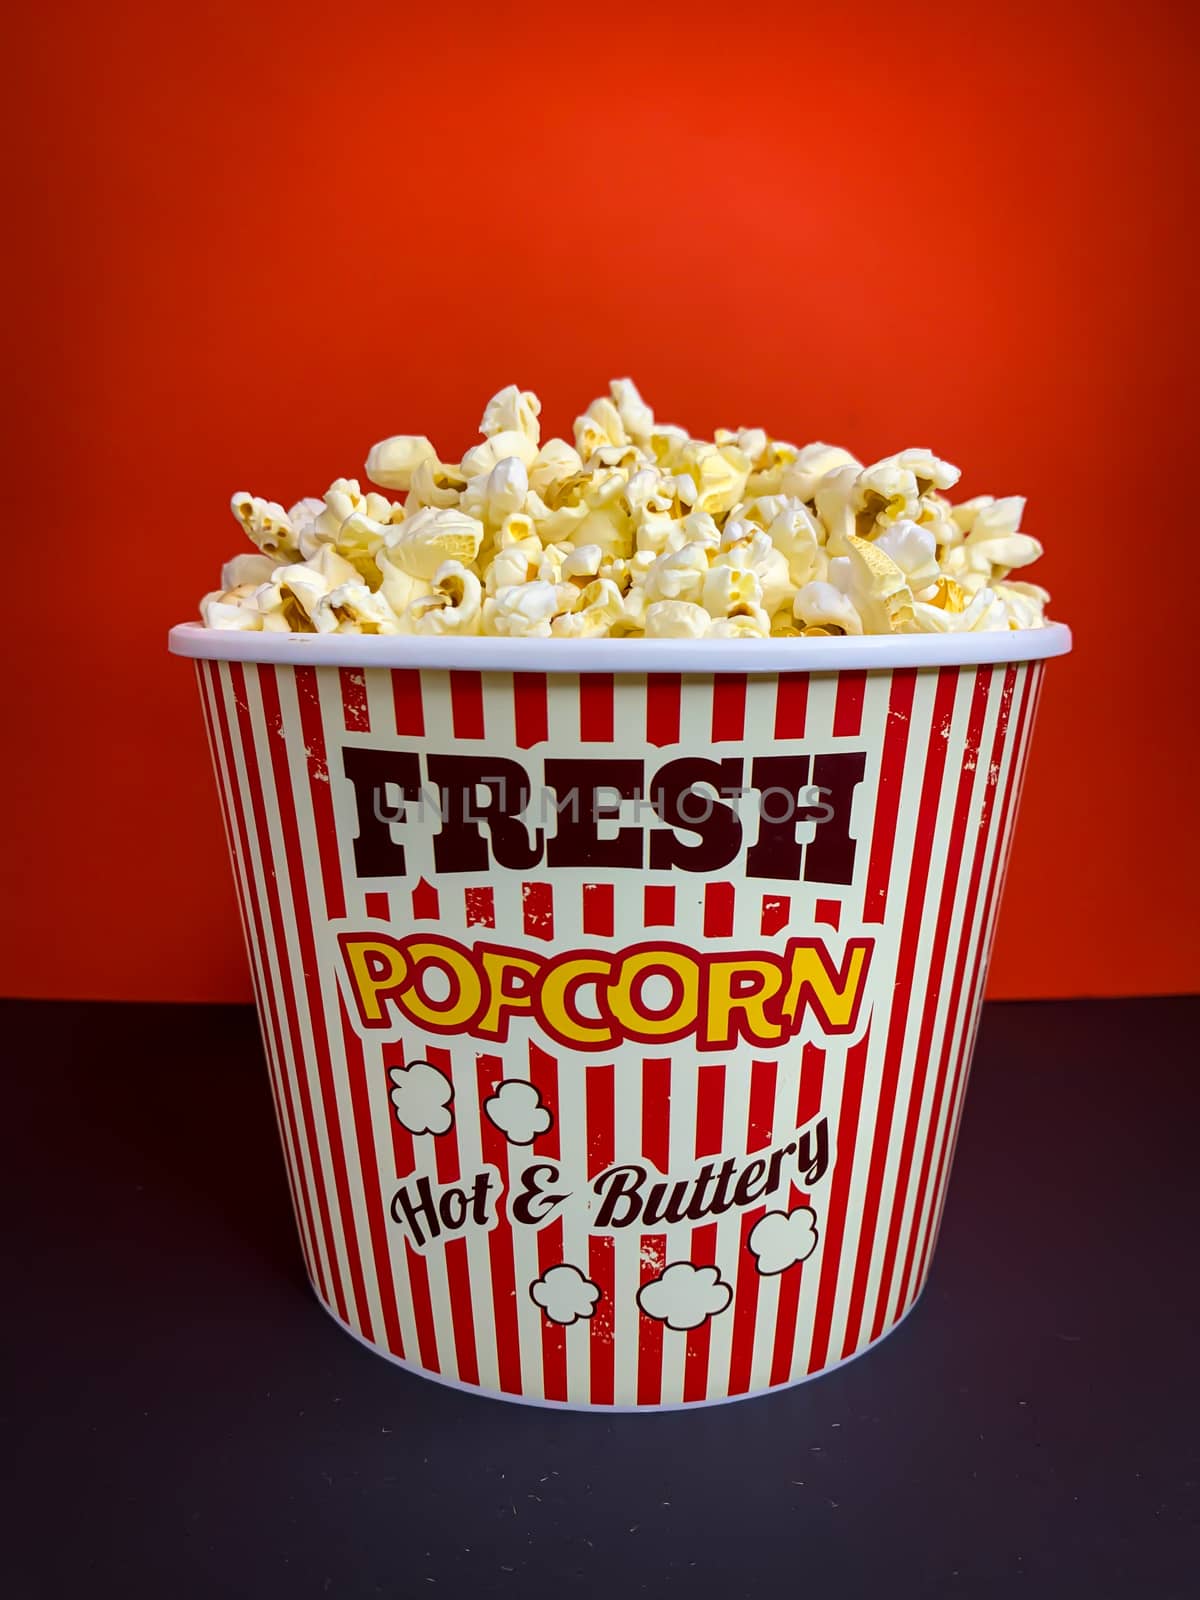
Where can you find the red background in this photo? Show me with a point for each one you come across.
(246, 247)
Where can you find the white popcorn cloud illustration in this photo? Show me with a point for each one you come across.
(565, 1295)
(421, 1096)
(684, 1296)
(516, 1109)
(780, 1239)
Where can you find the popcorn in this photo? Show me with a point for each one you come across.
(600, 605)
(875, 584)
(497, 448)
(526, 610)
(435, 484)
(914, 551)
(454, 605)
(353, 608)
(230, 610)
(824, 606)
(730, 591)
(393, 461)
(246, 571)
(598, 428)
(513, 410)
(555, 461)
(678, 574)
(676, 619)
(266, 524)
(289, 601)
(493, 496)
(420, 543)
(814, 463)
(636, 529)
(713, 477)
(637, 419)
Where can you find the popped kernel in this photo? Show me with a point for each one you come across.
(636, 529)
(526, 610)
(497, 494)
(420, 543)
(392, 462)
(513, 410)
(353, 608)
(453, 605)
(266, 524)
(676, 619)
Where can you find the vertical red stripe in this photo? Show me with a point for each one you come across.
(887, 798)
(728, 706)
(287, 978)
(489, 1071)
(479, 905)
(530, 716)
(662, 709)
(537, 908)
(285, 804)
(466, 704)
(656, 1111)
(656, 1149)
(308, 698)
(406, 702)
(658, 905)
(848, 707)
(950, 873)
(377, 1227)
(457, 1265)
(845, 1135)
(601, 1266)
(598, 909)
(356, 713)
(759, 1126)
(791, 705)
(595, 707)
(776, 912)
(710, 1117)
(983, 833)
(426, 902)
(422, 1304)
(543, 1074)
(320, 785)
(404, 1156)
(718, 910)
(808, 1108)
(254, 921)
(982, 953)
(914, 913)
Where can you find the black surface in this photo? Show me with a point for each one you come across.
(183, 1420)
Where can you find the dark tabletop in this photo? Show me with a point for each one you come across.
(182, 1420)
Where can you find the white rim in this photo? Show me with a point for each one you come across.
(622, 655)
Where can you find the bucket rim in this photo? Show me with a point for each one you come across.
(869, 652)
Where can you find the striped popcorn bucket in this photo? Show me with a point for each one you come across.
(618, 996)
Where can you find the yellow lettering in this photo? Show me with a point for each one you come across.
(504, 996)
(375, 967)
(814, 983)
(559, 1014)
(466, 988)
(624, 996)
(724, 1001)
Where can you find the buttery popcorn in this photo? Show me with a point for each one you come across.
(632, 528)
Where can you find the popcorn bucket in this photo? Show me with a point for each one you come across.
(618, 995)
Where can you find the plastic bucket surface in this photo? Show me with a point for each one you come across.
(619, 1005)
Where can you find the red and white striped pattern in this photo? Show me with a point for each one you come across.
(946, 751)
